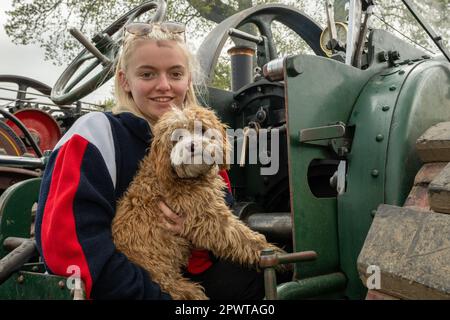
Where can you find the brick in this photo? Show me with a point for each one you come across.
(412, 250)
(434, 144)
(418, 197)
(439, 191)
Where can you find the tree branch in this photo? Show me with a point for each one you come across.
(215, 10)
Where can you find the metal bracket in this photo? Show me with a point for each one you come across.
(322, 133)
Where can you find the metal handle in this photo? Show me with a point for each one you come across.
(89, 46)
(16, 258)
(269, 260)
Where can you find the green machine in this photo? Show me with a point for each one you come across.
(341, 126)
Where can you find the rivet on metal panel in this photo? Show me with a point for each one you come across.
(379, 137)
(392, 88)
(375, 173)
(373, 212)
(61, 284)
(385, 108)
(401, 72)
(20, 279)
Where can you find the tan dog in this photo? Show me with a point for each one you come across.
(195, 190)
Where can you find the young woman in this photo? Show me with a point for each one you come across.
(93, 164)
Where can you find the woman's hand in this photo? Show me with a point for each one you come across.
(172, 221)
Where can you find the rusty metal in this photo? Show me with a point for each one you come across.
(269, 260)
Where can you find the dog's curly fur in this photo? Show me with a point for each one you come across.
(138, 229)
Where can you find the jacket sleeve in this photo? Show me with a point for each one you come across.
(73, 225)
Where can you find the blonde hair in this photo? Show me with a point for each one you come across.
(124, 100)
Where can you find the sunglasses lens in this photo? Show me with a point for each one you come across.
(173, 27)
(139, 29)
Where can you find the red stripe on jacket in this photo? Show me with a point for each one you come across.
(199, 260)
(58, 222)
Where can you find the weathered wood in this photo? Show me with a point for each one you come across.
(439, 191)
(434, 144)
(377, 295)
(428, 172)
(418, 197)
(412, 250)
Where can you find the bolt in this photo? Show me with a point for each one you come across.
(61, 284)
(383, 56)
(392, 88)
(379, 137)
(394, 55)
(385, 108)
(375, 173)
(20, 279)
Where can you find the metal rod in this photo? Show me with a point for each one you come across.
(16, 259)
(244, 36)
(12, 243)
(436, 39)
(89, 46)
(21, 162)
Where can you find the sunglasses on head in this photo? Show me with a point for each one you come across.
(144, 29)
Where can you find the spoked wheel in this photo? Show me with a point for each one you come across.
(69, 87)
(22, 94)
(262, 17)
(44, 130)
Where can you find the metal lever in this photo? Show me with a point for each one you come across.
(269, 260)
(245, 36)
(16, 258)
(89, 46)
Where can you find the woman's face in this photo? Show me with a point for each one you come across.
(157, 77)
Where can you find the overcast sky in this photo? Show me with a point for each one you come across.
(29, 61)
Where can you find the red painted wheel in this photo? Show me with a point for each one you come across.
(43, 128)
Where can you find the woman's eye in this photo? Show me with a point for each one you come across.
(148, 75)
(177, 75)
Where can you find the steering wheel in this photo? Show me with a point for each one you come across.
(103, 52)
(262, 16)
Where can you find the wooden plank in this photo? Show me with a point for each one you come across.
(434, 144)
(439, 191)
(428, 172)
(377, 295)
(411, 248)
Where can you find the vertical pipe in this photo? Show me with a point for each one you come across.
(241, 66)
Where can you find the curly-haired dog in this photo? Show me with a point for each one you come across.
(171, 173)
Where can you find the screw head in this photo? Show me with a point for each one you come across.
(375, 173)
(61, 284)
(379, 137)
